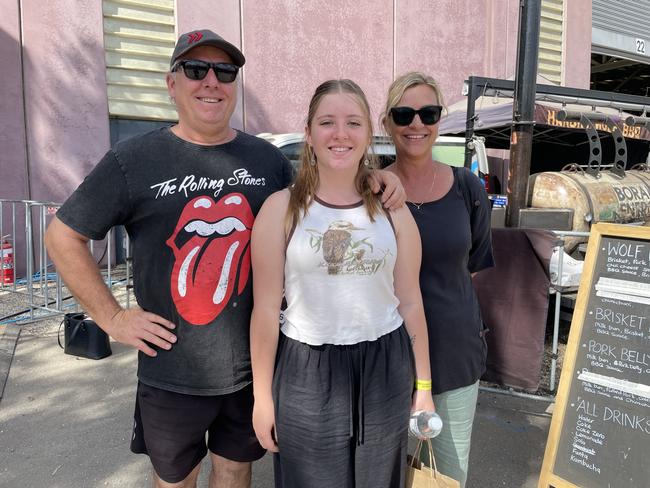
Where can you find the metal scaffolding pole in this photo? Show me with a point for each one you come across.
(521, 138)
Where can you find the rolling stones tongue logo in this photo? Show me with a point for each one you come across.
(211, 244)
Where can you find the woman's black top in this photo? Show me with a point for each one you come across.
(456, 241)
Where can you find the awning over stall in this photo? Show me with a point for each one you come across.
(556, 142)
(494, 118)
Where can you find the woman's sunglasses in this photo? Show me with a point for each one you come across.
(195, 69)
(429, 114)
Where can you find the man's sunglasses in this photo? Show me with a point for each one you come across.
(429, 114)
(195, 69)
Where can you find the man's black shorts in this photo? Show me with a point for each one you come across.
(170, 428)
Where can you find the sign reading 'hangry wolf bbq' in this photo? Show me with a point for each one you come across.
(548, 116)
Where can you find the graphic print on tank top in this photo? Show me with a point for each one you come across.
(344, 247)
(211, 246)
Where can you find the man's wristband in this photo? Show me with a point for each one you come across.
(423, 385)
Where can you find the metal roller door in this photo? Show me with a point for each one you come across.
(621, 28)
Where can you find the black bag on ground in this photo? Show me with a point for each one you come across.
(83, 337)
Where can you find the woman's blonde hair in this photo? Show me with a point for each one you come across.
(403, 83)
(303, 190)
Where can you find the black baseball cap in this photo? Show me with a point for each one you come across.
(206, 37)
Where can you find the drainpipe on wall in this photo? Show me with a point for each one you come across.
(28, 177)
(243, 80)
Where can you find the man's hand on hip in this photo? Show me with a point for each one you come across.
(139, 329)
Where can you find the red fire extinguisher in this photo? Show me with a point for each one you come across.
(6, 262)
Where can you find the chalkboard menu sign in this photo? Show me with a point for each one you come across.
(600, 432)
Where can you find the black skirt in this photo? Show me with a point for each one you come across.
(342, 411)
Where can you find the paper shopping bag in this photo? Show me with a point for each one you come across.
(420, 476)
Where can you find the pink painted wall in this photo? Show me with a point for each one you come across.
(450, 39)
(577, 43)
(454, 39)
(225, 21)
(292, 47)
(13, 156)
(13, 162)
(500, 41)
(65, 92)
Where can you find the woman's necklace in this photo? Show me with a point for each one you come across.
(433, 183)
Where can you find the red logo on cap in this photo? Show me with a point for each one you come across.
(194, 36)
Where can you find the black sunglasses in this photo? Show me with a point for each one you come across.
(195, 69)
(429, 114)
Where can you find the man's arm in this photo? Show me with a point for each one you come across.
(393, 193)
(76, 266)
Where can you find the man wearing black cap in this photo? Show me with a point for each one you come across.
(187, 195)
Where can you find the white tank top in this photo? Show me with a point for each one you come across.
(339, 276)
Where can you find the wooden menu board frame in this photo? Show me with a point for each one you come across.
(548, 476)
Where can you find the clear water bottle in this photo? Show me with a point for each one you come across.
(423, 424)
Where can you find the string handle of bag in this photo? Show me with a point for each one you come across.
(58, 335)
(432, 458)
(74, 331)
(79, 325)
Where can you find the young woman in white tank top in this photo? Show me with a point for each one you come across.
(335, 386)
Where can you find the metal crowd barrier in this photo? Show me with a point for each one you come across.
(45, 290)
(22, 227)
(558, 300)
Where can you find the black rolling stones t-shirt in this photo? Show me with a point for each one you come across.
(189, 210)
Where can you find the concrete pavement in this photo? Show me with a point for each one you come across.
(66, 422)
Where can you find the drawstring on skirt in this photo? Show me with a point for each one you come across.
(355, 390)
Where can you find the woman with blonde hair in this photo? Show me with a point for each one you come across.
(452, 212)
(333, 387)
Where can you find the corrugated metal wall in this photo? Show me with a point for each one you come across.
(629, 17)
(551, 38)
(139, 37)
(621, 29)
